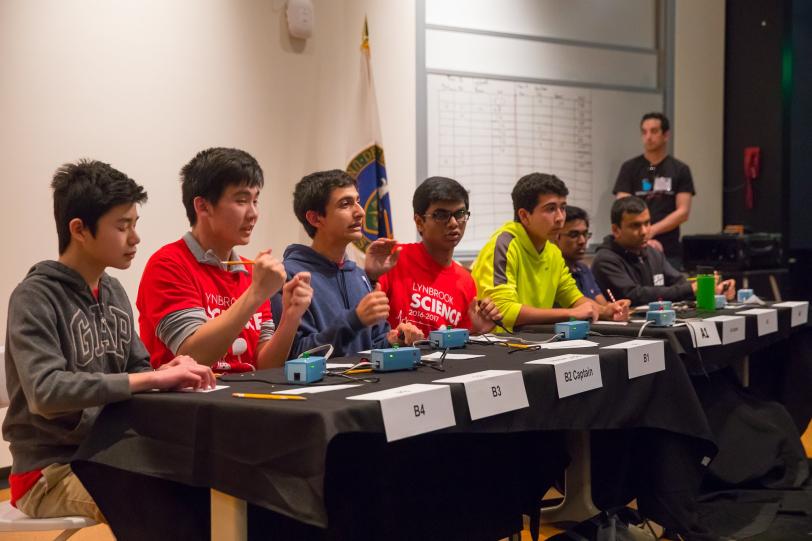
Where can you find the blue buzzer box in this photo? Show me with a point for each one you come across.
(572, 330)
(661, 318)
(449, 338)
(391, 359)
(305, 369)
(744, 294)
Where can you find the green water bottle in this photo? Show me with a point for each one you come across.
(705, 289)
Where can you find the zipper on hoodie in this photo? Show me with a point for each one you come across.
(342, 286)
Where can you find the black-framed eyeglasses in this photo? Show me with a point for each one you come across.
(575, 234)
(444, 216)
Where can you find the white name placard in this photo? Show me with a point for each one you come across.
(800, 311)
(574, 373)
(491, 392)
(733, 328)
(704, 333)
(413, 409)
(767, 319)
(644, 356)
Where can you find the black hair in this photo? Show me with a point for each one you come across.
(665, 125)
(435, 189)
(211, 171)
(313, 193)
(527, 190)
(576, 213)
(628, 205)
(87, 190)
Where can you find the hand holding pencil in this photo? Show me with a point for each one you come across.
(618, 310)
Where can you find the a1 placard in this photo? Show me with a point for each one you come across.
(704, 333)
(800, 311)
(766, 319)
(644, 356)
(733, 328)
(491, 392)
(413, 409)
(574, 373)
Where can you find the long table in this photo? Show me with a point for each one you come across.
(778, 365)
(314, 461)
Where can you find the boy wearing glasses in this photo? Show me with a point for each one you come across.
(572, 241)
(523, 272)
(427, 287)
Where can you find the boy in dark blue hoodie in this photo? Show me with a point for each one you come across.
(347, 310)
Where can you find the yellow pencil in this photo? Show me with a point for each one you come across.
(359, 371)
(246, 262)
(269, 396)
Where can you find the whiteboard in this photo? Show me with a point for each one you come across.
(487, 133)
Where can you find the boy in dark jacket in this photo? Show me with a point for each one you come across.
(71, 345)
(347, 310)
(630, 268)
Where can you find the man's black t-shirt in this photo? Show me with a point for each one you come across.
(658, 186)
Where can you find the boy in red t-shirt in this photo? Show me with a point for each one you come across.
(427, 287)
(197, 297)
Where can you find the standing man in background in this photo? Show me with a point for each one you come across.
(663, 182)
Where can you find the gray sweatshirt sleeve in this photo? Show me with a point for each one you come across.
(40, 358)
(138, 361)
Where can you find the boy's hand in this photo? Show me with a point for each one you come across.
(373, 308)
(296, 295)
(183, 375)
(180, 359)
(404, 334)
(381, 256)
(654, 243)
(269, 274)
(616, 311)
(727, 288)
(585, 310)
(483, 313)
(205, 373)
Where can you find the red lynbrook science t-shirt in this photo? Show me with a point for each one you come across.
(427, 294)
(175, 280)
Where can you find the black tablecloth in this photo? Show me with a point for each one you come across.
(780, 362)
(277, 454)
(706, 359)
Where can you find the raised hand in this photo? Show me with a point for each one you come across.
(373, 308)
(296, 295)
(381, 256)
(269, 274)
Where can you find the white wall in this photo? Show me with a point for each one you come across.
(145, 85)
(699, 72)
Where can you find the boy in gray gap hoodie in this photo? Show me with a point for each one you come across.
(71, 345)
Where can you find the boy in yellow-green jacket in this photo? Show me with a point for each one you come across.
(522, 272)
